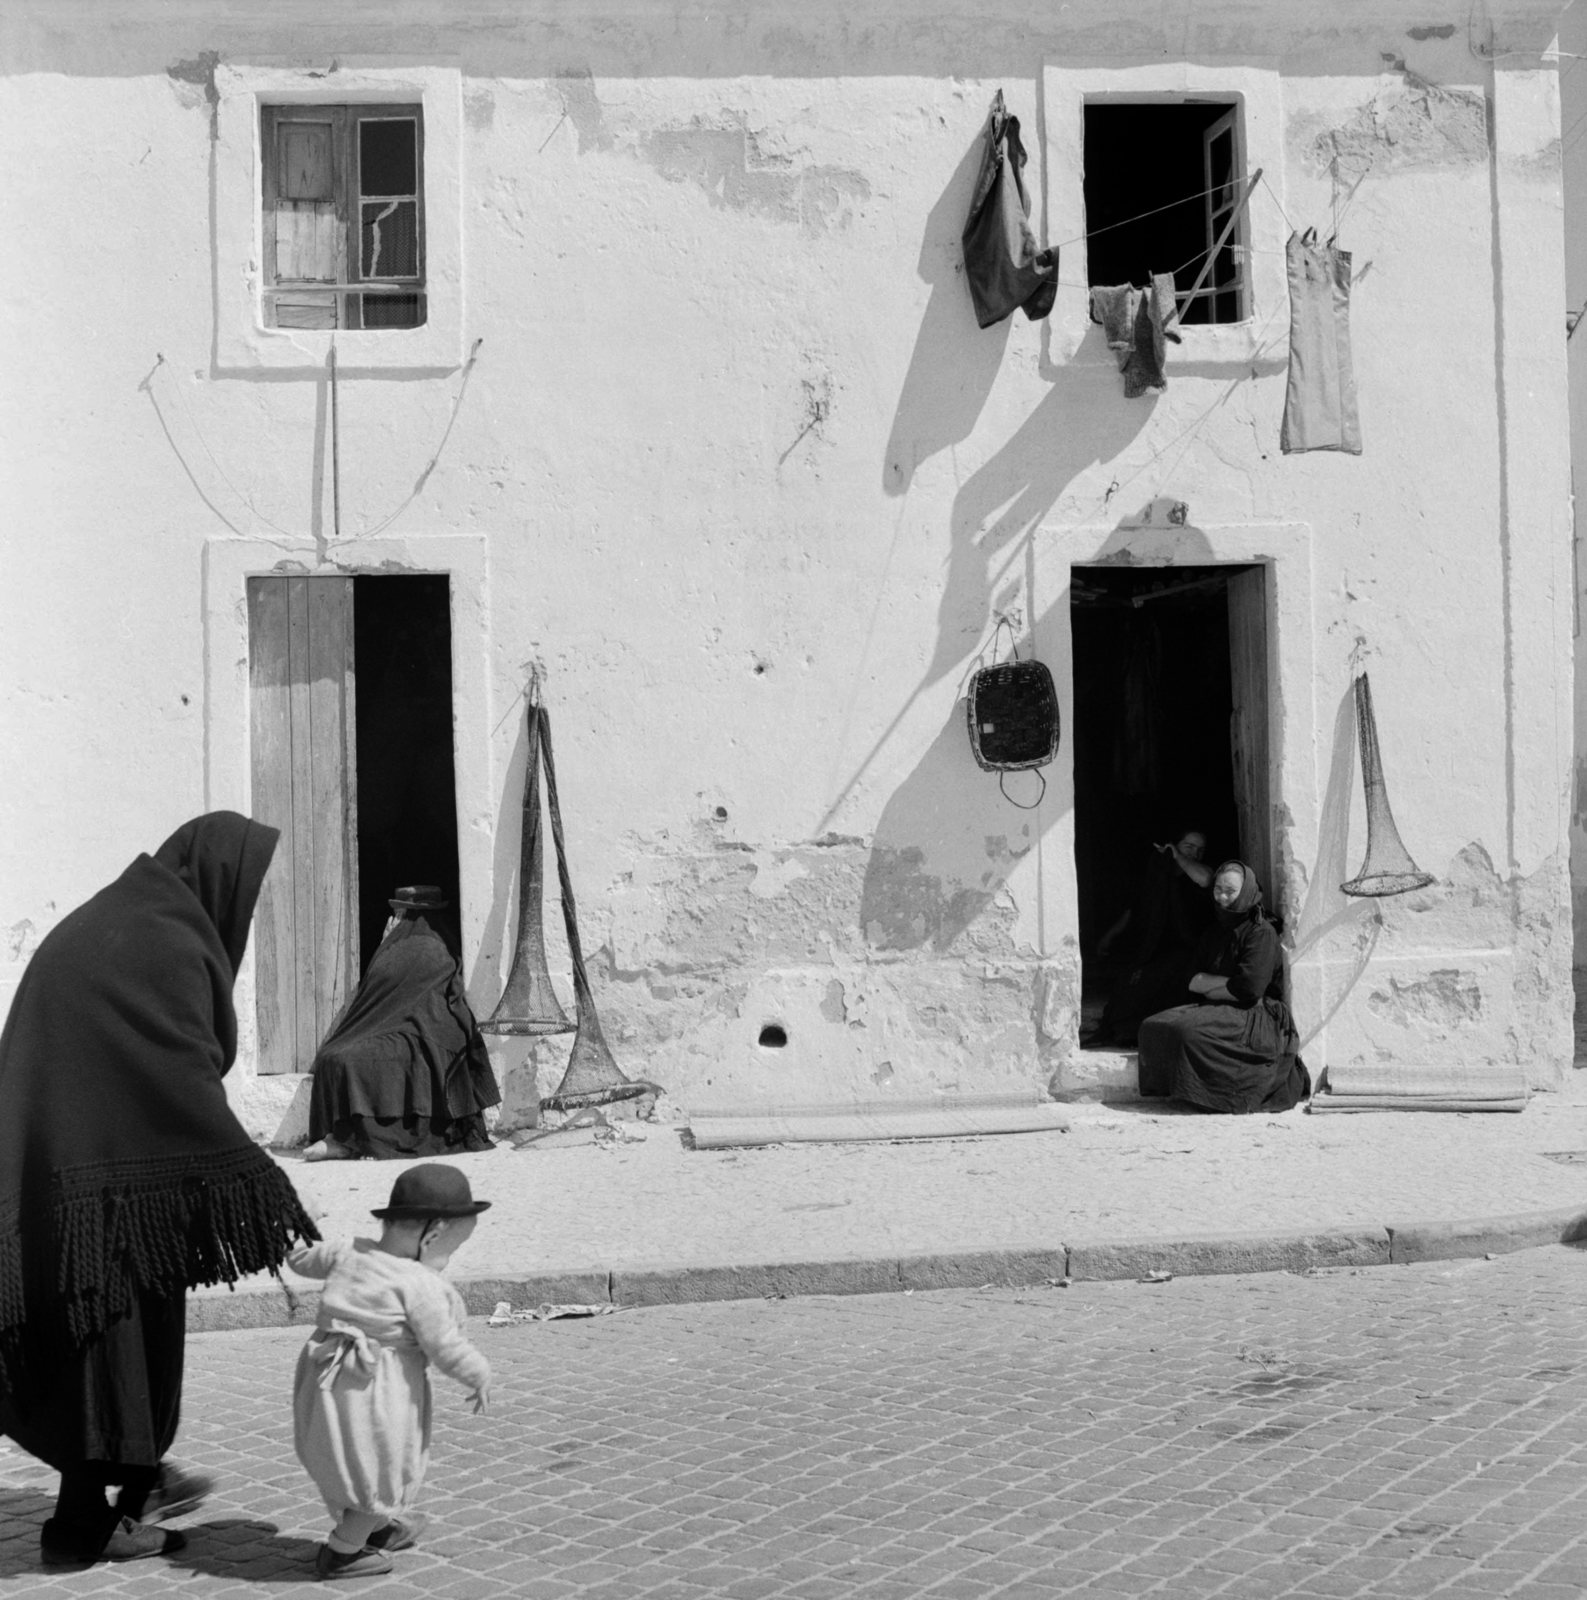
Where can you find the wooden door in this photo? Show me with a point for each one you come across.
(1249, 745)
(300, 642)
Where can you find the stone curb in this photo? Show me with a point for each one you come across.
(1086, 1260)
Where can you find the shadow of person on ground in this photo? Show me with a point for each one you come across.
(22, 1514)
(246, 1550)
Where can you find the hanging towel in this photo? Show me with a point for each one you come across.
(1320, 400)
(1138, 323)
(1001, 261)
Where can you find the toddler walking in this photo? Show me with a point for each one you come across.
(361, 1400)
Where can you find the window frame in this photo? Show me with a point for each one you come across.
(1067, 86)
(345, 292)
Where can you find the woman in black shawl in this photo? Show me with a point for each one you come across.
(404, 1072)
(125, 1180)
(1235, 1048)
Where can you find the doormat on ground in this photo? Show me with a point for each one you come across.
(875, 1121)
(1406, 1088)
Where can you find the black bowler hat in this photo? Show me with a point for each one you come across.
(431, 1189)
(419, 897)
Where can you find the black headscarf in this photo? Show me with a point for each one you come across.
(122, 1167)
(1248, 900)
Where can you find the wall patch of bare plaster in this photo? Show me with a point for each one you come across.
(1409, 123)
(1445, 998)
(479, 109)
(582, 107)
(726, 160)
(194, 82)
(22, 938)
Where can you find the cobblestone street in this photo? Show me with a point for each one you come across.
(1386, 1431)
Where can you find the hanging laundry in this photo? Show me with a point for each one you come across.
(1001, 261)
(1138, 323)
(1320, 400)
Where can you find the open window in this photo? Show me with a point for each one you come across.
(1162, 183)
(343, 199)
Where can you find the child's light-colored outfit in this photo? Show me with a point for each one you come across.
(361, 1399)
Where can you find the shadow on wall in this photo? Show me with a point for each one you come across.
(954, 363)
(1335, 929)
(947, 839)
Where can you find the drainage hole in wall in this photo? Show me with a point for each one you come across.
(721, 813)
(773, 1036)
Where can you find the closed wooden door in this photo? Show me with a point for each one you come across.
(1249, 746)
(300, 633)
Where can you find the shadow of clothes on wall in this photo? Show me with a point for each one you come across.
(1083, 419)
(1340, 932)
(954, 363)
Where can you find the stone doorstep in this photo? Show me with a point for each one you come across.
(218, 1310)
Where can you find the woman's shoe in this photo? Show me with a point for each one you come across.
(365, 1563)
(131, 1541)
(329, 1150)
(177, 1491)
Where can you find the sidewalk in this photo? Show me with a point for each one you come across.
(1126, 1189)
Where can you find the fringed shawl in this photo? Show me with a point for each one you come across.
(122, 1167)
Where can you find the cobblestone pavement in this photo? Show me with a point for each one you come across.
(1385, 1431)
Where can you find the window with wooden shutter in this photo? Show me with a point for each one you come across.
(343, 199)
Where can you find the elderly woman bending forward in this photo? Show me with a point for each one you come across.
(1234, 1048)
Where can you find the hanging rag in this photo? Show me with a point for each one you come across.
(1138, 323)
(1320, 400)
(1001, 261)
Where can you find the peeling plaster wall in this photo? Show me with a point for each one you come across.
(750, 484)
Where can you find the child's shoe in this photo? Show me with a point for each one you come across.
(396, 1535)
(365, 1563)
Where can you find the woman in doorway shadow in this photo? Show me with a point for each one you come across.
(1234, 1048)
(1158, 933)
(404, 1073)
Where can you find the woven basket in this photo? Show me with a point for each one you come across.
(1013, 715)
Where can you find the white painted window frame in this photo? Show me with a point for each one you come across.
(1257, 88)
(242, 341)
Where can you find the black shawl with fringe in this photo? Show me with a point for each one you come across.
(122, 1168)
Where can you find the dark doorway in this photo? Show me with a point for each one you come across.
(1155, 692)
(407, 808)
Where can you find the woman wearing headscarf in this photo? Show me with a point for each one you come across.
(1235, 1047)
(125, 1180)
(404, 1072)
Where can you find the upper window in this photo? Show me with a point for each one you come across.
(1161, 184)
(343, 216)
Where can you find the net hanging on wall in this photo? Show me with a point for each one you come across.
(1388, 868)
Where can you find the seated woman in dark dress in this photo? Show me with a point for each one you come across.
(1162, 927)
(404, 1072)
(1235, 1047)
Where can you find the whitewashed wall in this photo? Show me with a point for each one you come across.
(737, 469)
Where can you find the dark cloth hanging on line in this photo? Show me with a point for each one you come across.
(1004, 267)
(1138, 325)
(1320, 400)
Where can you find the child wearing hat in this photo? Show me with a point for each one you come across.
(361, 1400)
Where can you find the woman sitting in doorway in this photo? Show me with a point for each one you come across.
(1235, 1047)
(404, 1072)
(1159, 933)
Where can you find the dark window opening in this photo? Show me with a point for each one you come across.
(343, 197)
(1154, 692)
(1163, 160)
(407, 808)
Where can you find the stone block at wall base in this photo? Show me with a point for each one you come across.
(1091, 1075)
(273, 1107)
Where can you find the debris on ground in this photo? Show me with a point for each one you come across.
(504, 1313)
(1157, 1277)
